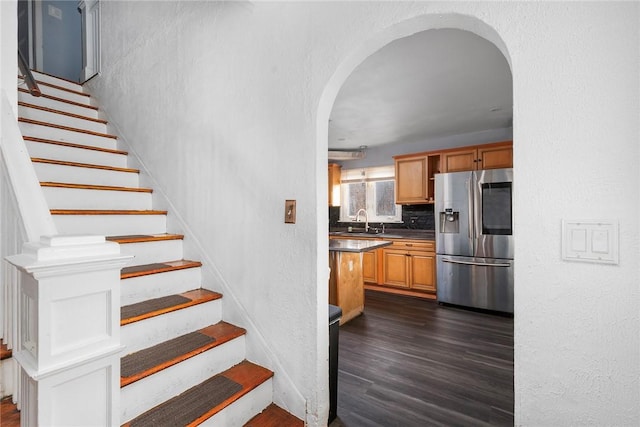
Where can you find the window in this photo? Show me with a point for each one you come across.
(371, 189)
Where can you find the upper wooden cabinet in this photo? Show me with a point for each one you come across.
(415, 178)
(489, 156)
(334, 184)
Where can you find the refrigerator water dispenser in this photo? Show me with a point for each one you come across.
(449, 221)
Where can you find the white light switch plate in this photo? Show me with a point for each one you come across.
(590, 241)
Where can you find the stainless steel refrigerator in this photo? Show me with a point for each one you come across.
(474, 238)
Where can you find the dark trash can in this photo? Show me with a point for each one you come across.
(335, 313)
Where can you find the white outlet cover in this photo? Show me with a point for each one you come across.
(593, 241)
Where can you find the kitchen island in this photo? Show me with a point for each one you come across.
(346, 282)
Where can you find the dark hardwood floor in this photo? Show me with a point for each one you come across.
(410, 362)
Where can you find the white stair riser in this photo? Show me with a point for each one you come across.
(142, 288)
(61, 119)
(59, 105)
(74, 198)
(41, 77)
(47, 132)
(149, 332)
(142, 395)
(77, 175)
(245, 408)
(79, 155)
(150, 252)
(69, 96)
(111, 225)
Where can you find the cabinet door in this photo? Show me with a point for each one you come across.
(423, 271)
(495, 157)
(334, 184)
(370, 267)
(411, 180)
(458, 161)
(396, 268)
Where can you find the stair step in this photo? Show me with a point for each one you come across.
(50, 170)
(83, 165)
(108, 222)
(76, 91)
(63, 113)
(147, 362)
(9, 413)
(142, 238)
(39, 129)
(159, 306)
(59, 81)
(148, 249)
(274, 416)
(72, 145)
(61, 92)
(37, 114)
(211, 396)
(5, 352)
(147, 269)
(82, 196)
(67, 128)
(96, 187)
(57, 103)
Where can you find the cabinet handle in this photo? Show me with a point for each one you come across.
(408, 244)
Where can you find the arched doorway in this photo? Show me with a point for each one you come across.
(380, 41)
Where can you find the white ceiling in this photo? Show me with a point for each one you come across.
(432, 84)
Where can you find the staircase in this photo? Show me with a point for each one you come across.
(183, 365)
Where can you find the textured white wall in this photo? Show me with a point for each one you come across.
(227, 103)
(9, 50)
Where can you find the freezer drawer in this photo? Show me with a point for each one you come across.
(476, 282)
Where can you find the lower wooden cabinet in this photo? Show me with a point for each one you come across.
(410, 269)
(407, 266)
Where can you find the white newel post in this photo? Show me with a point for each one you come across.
(90, 11)
(69, 331)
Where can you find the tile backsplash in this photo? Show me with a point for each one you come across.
(416, 217)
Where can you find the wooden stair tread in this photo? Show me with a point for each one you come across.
(163, 267)
(64, 113)
(36, 72)
(5, 352)
(104, 212)
(83, 165)
(194, 297)
(141, 238)
(95, 187)
(247, 374)
(67, 101)
(274, 416)
(69, 128)
(72, 145)
(220, 333)
(62, 88)
(9, 414)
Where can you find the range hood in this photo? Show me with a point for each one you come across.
(347, 154)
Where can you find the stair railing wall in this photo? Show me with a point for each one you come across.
(24, 217)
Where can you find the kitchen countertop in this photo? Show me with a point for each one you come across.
(390, 233)
(350, 245)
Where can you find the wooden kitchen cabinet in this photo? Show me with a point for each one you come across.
(415, 178)
(370, 266)
(410, 265)
(334, 184)
(488, 156)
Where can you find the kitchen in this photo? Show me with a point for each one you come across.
(423, 216)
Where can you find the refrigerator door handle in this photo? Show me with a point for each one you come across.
(481, 264)
(472, 233)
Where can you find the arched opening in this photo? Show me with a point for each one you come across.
(456, 25)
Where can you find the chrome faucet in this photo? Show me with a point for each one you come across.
(366, 219)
